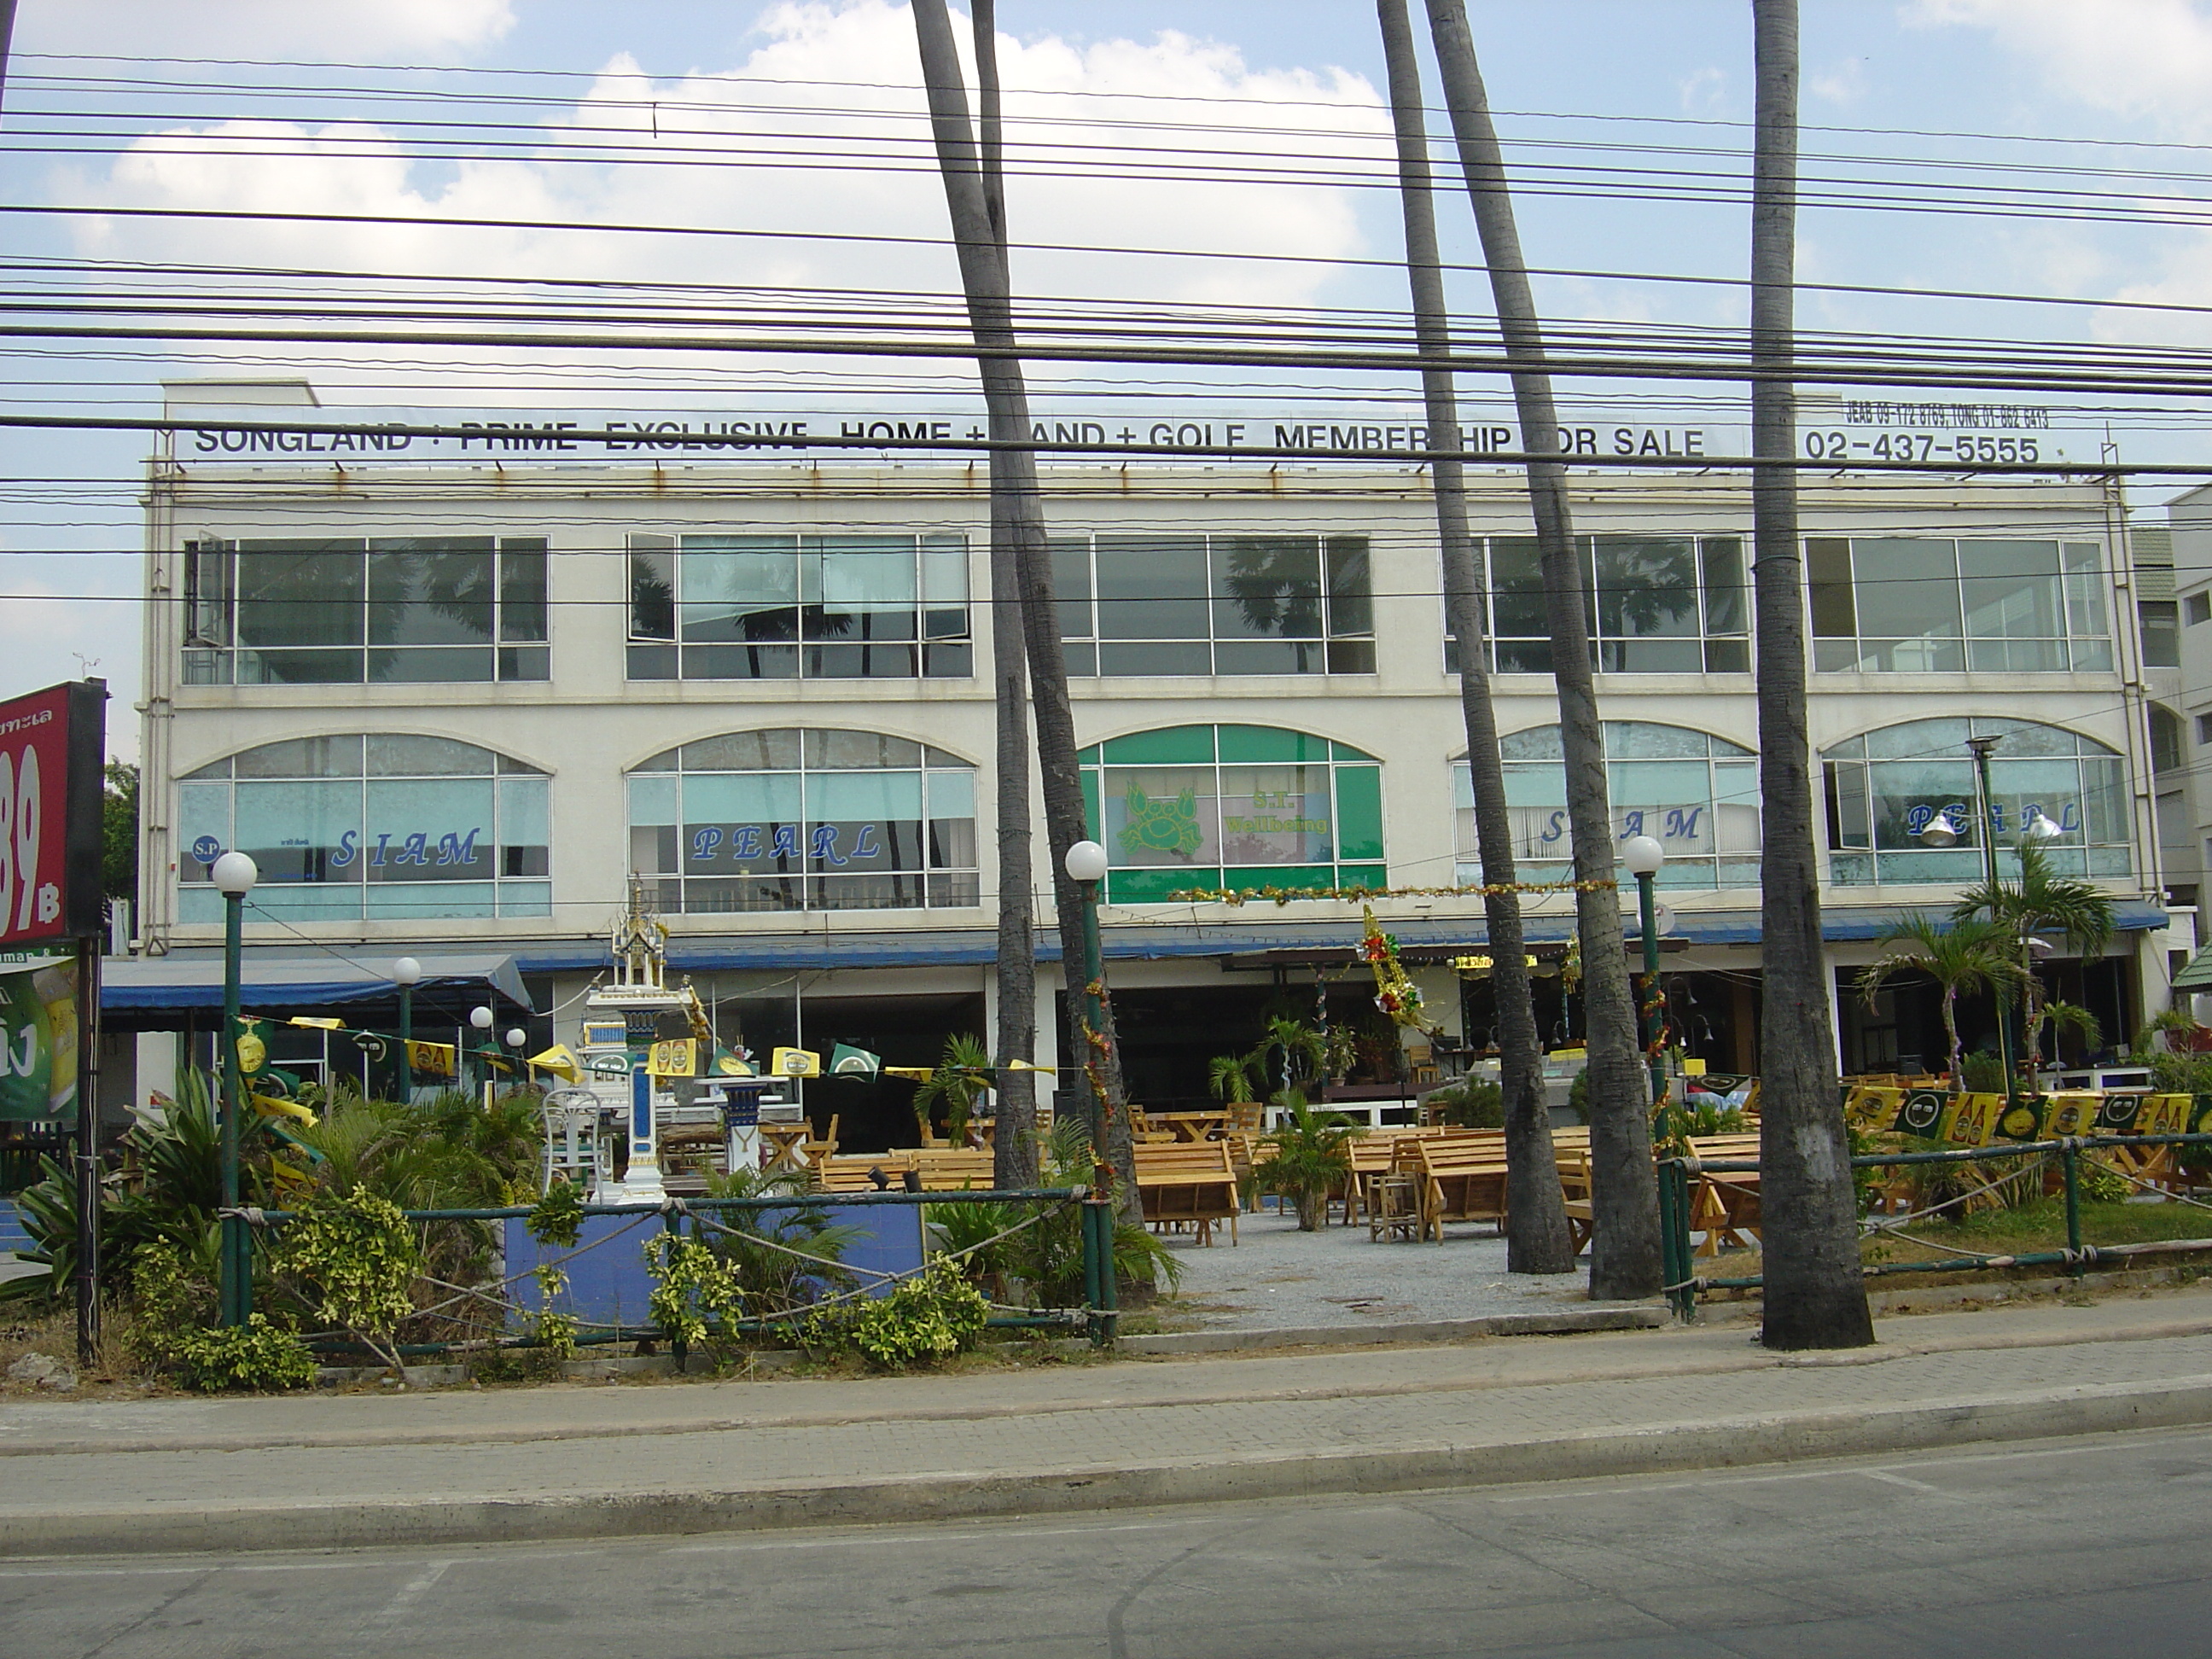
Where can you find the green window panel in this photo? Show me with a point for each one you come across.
(1090, 796)
(1153, 886)
(1262, 744)
(1362, 875)
(1345, 752)
(1359, 812)
(1173, 745)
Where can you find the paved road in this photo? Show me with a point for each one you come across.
(2089, 1546)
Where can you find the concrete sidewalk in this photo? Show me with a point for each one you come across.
(579, 1461)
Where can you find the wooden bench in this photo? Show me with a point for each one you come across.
(851, 1173)
(1188, 1181)
(951, 1168)
(1461, 1178)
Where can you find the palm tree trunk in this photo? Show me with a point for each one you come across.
(1536, 1237)
(1815, 1297)
(1625, 1192)
(987, 284)
(1950, 1035)
(1013, 1145)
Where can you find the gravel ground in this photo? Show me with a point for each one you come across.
(1278, 1277)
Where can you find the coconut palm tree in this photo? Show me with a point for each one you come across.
(1536, 1237)
(2038, 903)
(1018, 504)
(1624, 1190)
(1968, 954)
(1815, 1294)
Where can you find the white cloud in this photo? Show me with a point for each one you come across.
(262, 28)
(829, 82)
(1704, 92)
(2150, 58)
(1843, 83)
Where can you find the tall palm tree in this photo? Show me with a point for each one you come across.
(988, 286)
(1013, 1146)
(1536, 1237)
(1815, 1294)
(1625, 1193)
(1961, 956)
(2039, 903)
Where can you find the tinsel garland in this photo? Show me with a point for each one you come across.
(1364, 895)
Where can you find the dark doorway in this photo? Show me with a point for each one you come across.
(871, 1116)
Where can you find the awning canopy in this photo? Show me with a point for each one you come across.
(2198, 975)
(145, 989)
(1257, 938)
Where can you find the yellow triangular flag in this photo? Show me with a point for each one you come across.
(558, 1060)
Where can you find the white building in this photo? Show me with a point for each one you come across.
(452, 696)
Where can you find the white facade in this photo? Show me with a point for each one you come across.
(575, 738)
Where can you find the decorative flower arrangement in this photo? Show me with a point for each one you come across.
(1395, 994)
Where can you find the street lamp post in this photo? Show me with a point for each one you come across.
(1085, 862)
(1941, 831)
(406, 973)
(234, 875)
(1644, 857)
(480, 1021)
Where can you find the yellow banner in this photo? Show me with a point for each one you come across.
(436, 1058)
(678, 1057)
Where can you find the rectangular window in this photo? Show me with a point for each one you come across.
(1134, 605)
(349, 611)
(1654, 605)
(2204, 728)
(2197, 608)
(2161, 633)
(722, 607)
(1900, 604)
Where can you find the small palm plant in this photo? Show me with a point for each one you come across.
(960, 1080)
(1308, 1159)
(2039, 902)
(1229, 1079)
(1968, 954)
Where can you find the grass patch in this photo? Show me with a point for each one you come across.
(2041, 1225)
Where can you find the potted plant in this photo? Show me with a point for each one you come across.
(1307, 1158)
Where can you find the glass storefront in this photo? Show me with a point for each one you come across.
(1233, 806)
(377, 826)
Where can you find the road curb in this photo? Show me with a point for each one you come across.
(1565, 1322)
(957, 1495)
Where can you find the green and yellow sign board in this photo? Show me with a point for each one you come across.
(38, 1037)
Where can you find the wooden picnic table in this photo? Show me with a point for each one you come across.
(783, 1145)
(1192, 1126)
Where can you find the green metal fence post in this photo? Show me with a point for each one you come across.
(1090, 1210)
(1675, 1219)
(2069, 1160)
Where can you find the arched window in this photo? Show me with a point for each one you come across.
(1696, 794)
(1883, 788)
(376, 826)
(791, 819)
(1235, 806)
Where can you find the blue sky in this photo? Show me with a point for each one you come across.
(1646, 83)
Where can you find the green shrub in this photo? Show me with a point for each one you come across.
(929, 1317)
(691, 1287)
(1470, 1105)
(1981, 1074)
(352, 1261)
(255, 1356)
(171, 1332)
(2101, 1183)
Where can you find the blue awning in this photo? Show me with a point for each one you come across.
(1256, 933)
(180, 984)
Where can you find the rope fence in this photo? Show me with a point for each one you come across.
(1679, 1176)
(708, 1218)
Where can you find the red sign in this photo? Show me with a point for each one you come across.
(51, 750)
